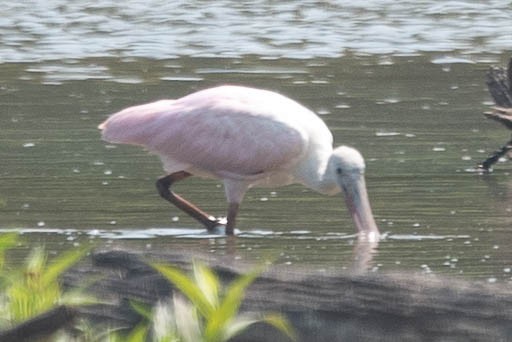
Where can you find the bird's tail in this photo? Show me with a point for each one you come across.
(134, 125)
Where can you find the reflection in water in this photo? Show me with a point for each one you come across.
(361, 259)
(499, 188)
(365, 250)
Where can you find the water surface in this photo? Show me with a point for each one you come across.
(410, 99)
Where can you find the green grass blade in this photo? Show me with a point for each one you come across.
(61, 263)
(228, 308)
(208, 282)
(164, 322)
(138, 334)
(35, 262)
(111, 337)
(238, 325)
(7, 241)
(242, 322)
(280, 323)
(77, 297)
(187, 287)
(188, 324)
(35, 288)
(142, 309)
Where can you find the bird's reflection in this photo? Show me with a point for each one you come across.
(364, 251)
(363, 254)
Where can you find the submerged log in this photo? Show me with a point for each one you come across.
(499, 83)
(321, 306)
(41, 326)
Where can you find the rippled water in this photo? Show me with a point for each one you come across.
(402, 82)
(56, 29)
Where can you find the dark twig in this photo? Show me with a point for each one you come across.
(486, 164)
(499, 83)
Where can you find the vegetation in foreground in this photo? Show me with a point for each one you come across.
(204, 311)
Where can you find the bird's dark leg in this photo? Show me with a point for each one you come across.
(164, 184)
(231, 219)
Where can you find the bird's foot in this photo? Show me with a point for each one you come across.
(215, 225)
(220, 226)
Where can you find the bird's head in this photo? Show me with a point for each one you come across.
(347, 165)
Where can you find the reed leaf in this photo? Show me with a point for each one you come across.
(7, 241)
(138, 334)
(188, 324)
(211, 315)
(61, 263)
(208, 283)
(242, 322)
(142, 309)
(279, 322)
(35, 288)
(187, 286)
(229, 306)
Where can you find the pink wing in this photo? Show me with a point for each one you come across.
(221, 130)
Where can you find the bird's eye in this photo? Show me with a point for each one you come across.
(339, 171)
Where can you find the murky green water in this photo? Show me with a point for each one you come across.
(415, 116)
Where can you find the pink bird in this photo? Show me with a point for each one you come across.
(246, 137)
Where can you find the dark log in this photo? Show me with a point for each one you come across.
(322, 306)
(40, 326)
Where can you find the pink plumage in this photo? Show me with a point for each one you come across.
(219, 130)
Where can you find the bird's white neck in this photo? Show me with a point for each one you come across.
(317, 174)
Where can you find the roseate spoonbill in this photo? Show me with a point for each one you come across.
(246, 137)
